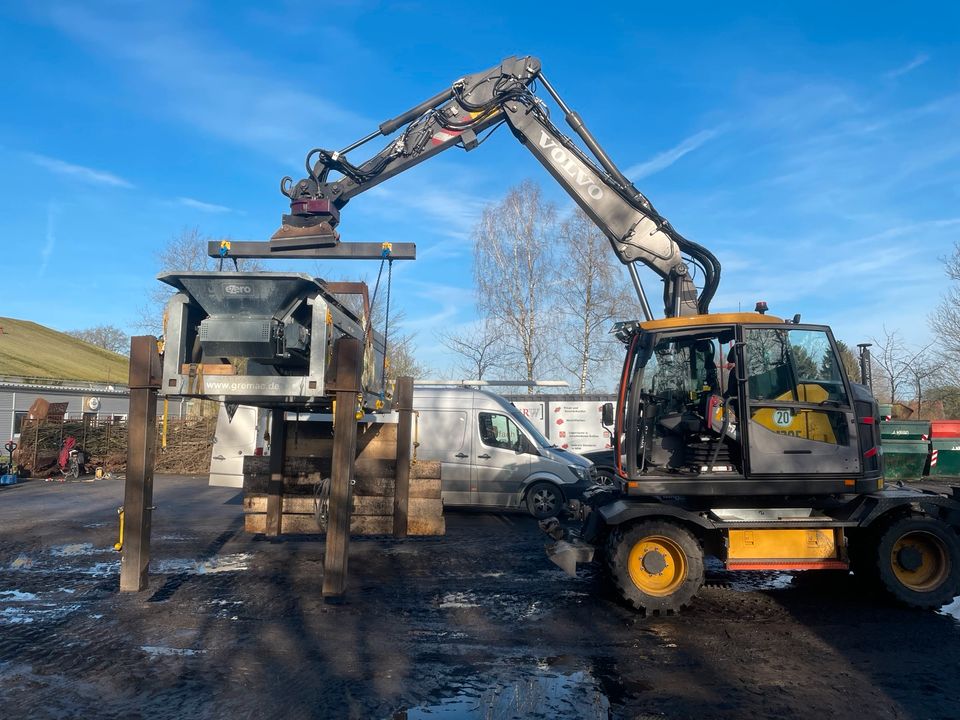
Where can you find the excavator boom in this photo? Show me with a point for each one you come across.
(457, 117)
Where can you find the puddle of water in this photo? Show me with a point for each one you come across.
(17, 596)
(73, 549)
(163, 651)
(27, 614)
(219, 564)
(100, 569)
(952, 609)
(540, 692)
(458, 600)
(758, 580)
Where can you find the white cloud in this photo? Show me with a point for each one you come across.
(667, 158)
(80, 172)
(51, 240)
(919, 60)
(203, 206)
(222, 91)
(443, 303)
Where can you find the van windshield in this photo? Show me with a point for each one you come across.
(525, 423)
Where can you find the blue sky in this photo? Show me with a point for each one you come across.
(815, 150)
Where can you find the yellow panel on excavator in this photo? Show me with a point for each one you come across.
(799, 422)
(787, 544)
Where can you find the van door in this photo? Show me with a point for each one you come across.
(233, 439)
(443, 437)
(499, 464)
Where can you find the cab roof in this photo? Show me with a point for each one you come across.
(738, 318)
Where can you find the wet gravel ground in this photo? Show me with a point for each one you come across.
(477, 624)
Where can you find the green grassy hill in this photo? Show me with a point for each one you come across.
(31, 350)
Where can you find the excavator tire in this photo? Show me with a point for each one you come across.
(918, 561)
(656, 565)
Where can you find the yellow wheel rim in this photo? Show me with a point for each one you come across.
(657, 565)
(920, 561)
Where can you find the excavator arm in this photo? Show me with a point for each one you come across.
(457, 117)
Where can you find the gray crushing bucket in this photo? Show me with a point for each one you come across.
(279, 329)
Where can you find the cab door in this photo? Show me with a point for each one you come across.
(500, 464)
(798, 410)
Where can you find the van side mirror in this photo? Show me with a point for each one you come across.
(526, 446)
(606, 415)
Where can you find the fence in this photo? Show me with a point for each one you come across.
(187, 451)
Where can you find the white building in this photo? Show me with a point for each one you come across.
(17, 394)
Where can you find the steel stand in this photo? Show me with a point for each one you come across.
(347, 385)
(145, 378)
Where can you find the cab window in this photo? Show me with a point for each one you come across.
(786, 365)
(499, 431)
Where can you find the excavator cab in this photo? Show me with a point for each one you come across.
(742, 403)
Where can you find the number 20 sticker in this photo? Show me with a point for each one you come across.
(783, 418)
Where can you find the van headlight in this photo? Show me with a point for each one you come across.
(581, 473)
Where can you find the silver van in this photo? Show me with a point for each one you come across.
(492, 455)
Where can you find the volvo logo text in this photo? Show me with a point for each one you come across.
(571, 166)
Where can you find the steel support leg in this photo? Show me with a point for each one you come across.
(145, 374)
(349, 359)
(278, 451)
(401, 495)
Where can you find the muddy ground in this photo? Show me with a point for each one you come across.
(477, 624)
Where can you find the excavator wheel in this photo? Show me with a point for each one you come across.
(918, 561)
(657, 565)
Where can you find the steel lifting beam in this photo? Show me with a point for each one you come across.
(248, 249)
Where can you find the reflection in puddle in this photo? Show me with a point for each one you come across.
(952, 609)
(743, 580)
(537, 691)
(758, 580)
(216, 564)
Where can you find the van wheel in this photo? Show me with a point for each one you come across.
(606, 477)
(656, 565)
(918, 561)
(544, 500)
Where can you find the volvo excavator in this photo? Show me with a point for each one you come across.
(736, 435)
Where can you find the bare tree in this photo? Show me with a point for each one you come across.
(108, 337)
(402, 359)
(594, 292)
(945, 322)
(921, 366)
(890, 357)
(905, 367)
(481, 349)
(945, 319)
(515, 271)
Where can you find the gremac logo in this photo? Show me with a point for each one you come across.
(571, 166)
(237, 289)
(230, 386)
